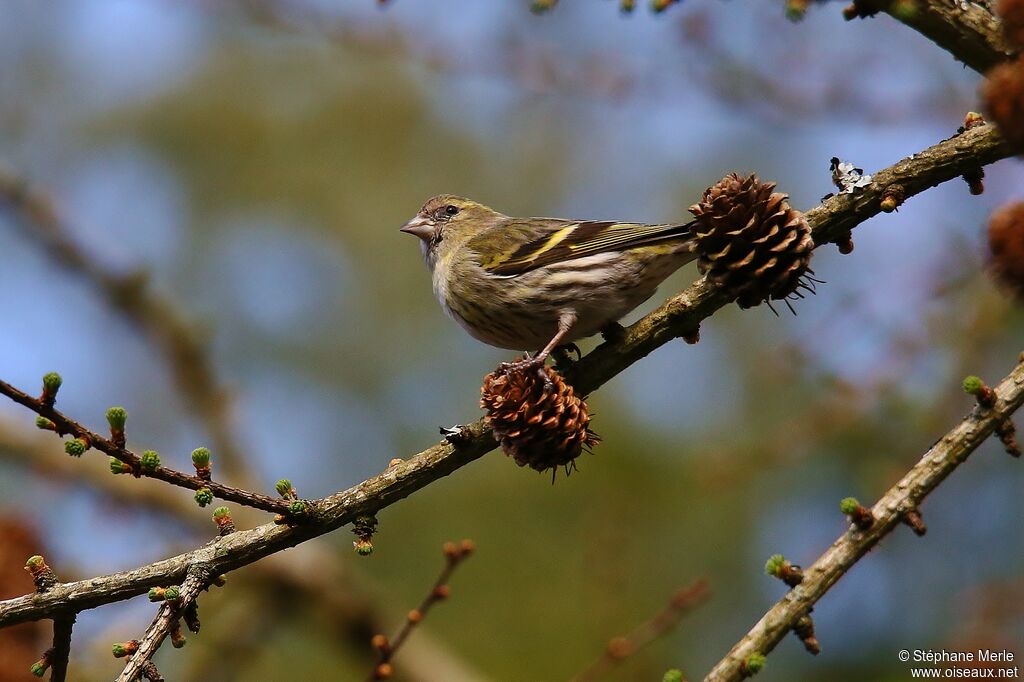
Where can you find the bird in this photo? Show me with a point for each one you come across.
(541, 283)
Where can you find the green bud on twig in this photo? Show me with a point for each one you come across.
(754, 664)
(201, 457)
(150, 460)
(859, 515)
(117, 417)
(985, 396)
(796, 9)
(541, 6)
(75, 447)
(778, 567)
(203, 497)
(51, 384)
(122, 649)
(118, 467)
(973, 384)
(225, 524)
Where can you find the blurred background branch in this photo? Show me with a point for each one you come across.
(659, 625)
(157, 317)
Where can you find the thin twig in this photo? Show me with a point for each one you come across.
(454, 555)
(65, 425)
(62, 627)
(680, 315)
(167, 616)
(157, 317)
(659, 625)
(939, 462)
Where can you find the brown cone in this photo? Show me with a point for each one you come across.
(1006, 247)
(1003, 93)
(750, 242)
(537, 428)
(1011, 12)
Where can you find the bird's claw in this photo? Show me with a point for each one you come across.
(570, 347)
(561, 357)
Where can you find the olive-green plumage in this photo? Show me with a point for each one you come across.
(533, 283)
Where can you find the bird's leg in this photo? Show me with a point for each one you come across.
(565, 323)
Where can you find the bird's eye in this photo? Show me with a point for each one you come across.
(451, 210)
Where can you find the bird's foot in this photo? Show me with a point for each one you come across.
(536, 363)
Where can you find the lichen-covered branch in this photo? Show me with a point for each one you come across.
(888, 513)
(679, 315)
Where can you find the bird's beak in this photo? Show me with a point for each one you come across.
(419, 226)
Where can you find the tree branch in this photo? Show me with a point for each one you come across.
(683, 313)
(167, 616)
(967, 30)
(939, 462)
(679, 315)
(339, 596)
(62, 627)
(66, 425)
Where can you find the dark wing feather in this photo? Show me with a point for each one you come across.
(519, 246)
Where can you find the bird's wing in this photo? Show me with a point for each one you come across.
(519, 246)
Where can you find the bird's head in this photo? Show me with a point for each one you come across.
(447, 221)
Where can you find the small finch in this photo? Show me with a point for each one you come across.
(538, 283)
